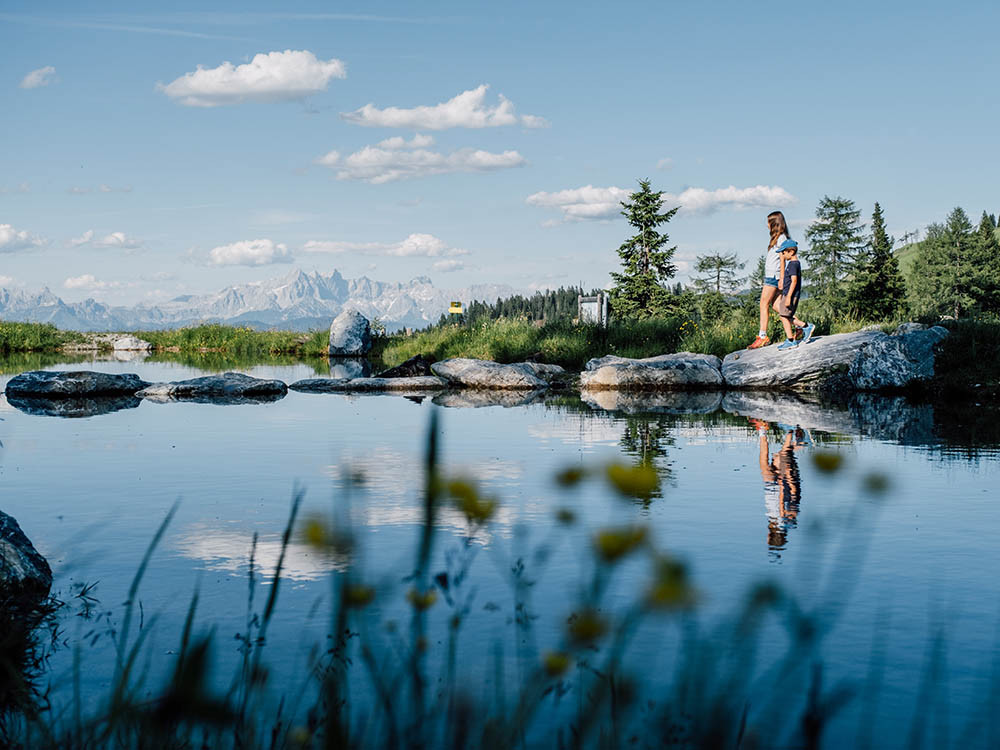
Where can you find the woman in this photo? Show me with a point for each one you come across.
(774, 268)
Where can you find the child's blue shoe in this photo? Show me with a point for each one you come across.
(807, 333)
(787, 344)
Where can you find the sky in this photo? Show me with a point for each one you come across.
(146, 154)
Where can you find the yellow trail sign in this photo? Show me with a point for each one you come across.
(455, 308)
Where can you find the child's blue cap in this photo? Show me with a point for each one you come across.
(787, 245)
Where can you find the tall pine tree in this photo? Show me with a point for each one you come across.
(718, 273)
(987, 257)
(639, 291)
(835, 239)
(945, 279)
(876, 290)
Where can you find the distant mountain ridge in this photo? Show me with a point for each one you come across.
(298, 301)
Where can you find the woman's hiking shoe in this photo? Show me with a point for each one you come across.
(807, 332)
(787, 344)
(759, 342)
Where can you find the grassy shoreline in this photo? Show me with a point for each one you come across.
(968, 362)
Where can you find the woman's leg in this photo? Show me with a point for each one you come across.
(767, 296)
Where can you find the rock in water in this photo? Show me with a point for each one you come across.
(61, 384)
(23, 571)
(350, 335)
(131, 344)
(863, 360)
(481, 373)
(413, 367)
(664, 372)
(231, 387)
(896, 361)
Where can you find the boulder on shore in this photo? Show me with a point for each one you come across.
(664, 372)
(843, 362)
(369, 385)
(228, 388)
(23, 571)
(481, 373)
(131, 344)
(413, 367)
(73, 384)
(350, 335)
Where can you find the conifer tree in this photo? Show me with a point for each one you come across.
(945, 280)
(718, 273)
(639, 291)
(835, 239)
(876, 290)
(987, 257)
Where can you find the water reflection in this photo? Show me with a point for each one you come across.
(782, 482)
(73, 407)
(646, 440)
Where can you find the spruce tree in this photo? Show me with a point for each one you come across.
(876, 290)
(639, 291)
(945, 280)
(987, 258)
(718, 273)
(835, 239)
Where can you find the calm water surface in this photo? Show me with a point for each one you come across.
(738, 504)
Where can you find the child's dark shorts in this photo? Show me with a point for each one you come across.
(787, 311)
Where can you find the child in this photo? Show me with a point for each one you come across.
(788, 299)
(778, 229)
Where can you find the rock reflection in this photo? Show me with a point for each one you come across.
(350, 367)
(73, 408)
(474, 399)
(664, 402)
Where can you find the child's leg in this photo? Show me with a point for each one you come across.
(786, 323)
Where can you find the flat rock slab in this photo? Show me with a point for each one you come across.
(231, 387)
(368, 385)
(479, 398)
(72, 407)
(73, 384)
(654, 402)
(863, 360)
(23, 571)
(481, 373)
(664, 372)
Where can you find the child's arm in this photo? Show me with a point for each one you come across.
(792, 285)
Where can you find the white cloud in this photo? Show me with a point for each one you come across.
(12, 240)
(85, 189)
(24, 187)
(590, 202)
(89, 282)
(447, 266)
(250, 253)
(7, 281)
(699, 200)
(415, 245)
(587, 202)
(275, 76)
(38, 78)
(665, 163)
(467, 110)
(397, 159)
(83, 239)
(117, 240)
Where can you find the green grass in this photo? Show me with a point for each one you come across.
(33, 337)
(238, 341)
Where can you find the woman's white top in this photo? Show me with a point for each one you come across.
(772, 261)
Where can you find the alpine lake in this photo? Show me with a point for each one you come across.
(875, 520)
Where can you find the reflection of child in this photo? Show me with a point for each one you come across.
(788, 297)
(782, 486)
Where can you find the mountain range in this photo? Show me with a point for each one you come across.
(298, 301)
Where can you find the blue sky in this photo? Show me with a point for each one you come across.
(145, 154)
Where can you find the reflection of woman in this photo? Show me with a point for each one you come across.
(782, 486)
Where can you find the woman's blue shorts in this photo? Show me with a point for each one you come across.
(771, 281)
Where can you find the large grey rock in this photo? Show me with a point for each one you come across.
(413, 367)
(664, 372)
(63, 384)
(350, 367)
(366, 385)
(896, 361)
(908, 328)
(544, 371)
(72, 407)
(823, 363)
(131, 344)
(654, 402)
(350, 335)
(230, 387)
(479, 398)
(23, 571)
(480, 373)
